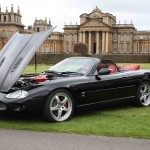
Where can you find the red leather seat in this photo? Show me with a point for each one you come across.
(112, 69)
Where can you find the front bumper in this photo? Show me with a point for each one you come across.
(10, 104)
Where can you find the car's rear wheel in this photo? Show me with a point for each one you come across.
(143, 94)
(59, 106)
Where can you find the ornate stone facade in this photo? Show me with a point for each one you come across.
(54, 43)
(10, 23)
(102, 35)
(97, 29)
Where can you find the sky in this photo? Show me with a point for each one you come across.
(63, 12)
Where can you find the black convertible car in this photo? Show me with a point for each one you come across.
(71, 84)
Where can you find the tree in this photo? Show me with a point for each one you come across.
(81, 48)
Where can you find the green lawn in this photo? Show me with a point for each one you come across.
(122, 121)
(40, 68)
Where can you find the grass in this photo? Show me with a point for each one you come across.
(122, 121)
(40, 68)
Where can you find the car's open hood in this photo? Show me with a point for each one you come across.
(16, 55)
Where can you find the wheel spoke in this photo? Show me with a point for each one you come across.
(64, 101)
(145, 88)
(142, 92)
(58, 100)
(54, 108)
(59, 113)
(65, 109)
(61, 106)
(141, 98)
(145, 99)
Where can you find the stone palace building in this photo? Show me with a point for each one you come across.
(98, 30)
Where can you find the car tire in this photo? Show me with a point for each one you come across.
(59, 106)
(143, 94)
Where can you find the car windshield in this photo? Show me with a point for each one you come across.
(74, 65)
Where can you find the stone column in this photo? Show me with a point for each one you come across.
(84, 37)
(146, 47)
(65, 49)
(137, 48)
(106, 47)
(53, 51)
(55, 47)
(2, 18)
(97, 43)
(89, 41)
(80, 37)
(7, 18)
(12, 17)
(103, 42)
(70, 43)
(76, 37)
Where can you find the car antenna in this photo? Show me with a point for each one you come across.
(35, 63)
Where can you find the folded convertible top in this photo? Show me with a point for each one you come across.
(16, 55)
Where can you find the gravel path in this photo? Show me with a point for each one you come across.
(28, 140)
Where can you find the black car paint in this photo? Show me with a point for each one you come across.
(86, 90)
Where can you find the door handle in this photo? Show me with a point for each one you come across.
(123, 77)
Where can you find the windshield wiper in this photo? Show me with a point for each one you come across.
(51, 71)
(71, 72)
(55, 73)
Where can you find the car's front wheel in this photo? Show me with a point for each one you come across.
(59, 106)
(143, 94)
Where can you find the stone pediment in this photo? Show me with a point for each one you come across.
(96, 14)
(94, 23)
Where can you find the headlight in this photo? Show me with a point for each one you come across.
(18, 94)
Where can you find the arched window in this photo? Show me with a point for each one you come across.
(115, 36)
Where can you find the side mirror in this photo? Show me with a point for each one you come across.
(104, 71)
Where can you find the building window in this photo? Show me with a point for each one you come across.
(128, 48)
(67, 37)
(128, 37)
(115, 48)
(122, 37)
(42, 49)
(141, 36)
(4, 18)
(73, 37)
(121, 48)
(115, 36)
(47, 49)
(38, 29)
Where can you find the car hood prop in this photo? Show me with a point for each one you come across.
(16, 55)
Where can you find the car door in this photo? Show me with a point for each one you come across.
(110, 87)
